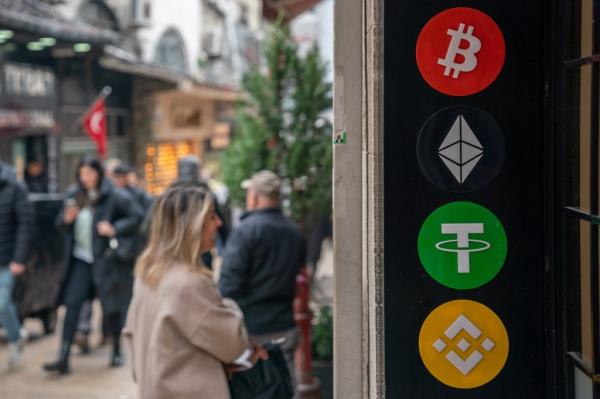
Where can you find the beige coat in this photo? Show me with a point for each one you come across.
(180, 334)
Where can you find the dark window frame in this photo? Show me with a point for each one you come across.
(567, 275)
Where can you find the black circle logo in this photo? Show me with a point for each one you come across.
(461, 148)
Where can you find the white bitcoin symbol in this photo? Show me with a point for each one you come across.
(470, 61)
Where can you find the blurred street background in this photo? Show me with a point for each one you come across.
(239, 85)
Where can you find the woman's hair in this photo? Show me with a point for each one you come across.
(178, 217)
(94, 163)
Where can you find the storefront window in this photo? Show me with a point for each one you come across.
(161, 164)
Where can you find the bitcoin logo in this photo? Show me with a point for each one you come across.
(468, 54)
(460, 51)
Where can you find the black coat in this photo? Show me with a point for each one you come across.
(260, 263)
(16, 220)
(113, 278)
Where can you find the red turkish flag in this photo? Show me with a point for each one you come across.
(94, 123)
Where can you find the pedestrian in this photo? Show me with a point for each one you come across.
(121, 179)
(35, 177)
(181, 331)
(189, 173)
(262, 257)
(95, 217)
(16, 229)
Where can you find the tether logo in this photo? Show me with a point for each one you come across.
(460, 51)
(462, 245)
(468, 54)
(463, 344)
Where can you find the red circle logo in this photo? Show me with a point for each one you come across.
(460, 51)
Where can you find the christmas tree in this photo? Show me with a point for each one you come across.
(281, 126)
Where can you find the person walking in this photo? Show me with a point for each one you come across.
(180, 330)
(95, 217)
(261, 260)
(189, 173)
(16, 229)
(36, 177)
(120, 178)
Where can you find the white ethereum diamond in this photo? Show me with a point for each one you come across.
(461, 150)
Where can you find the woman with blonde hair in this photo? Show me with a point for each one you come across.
(180, 330)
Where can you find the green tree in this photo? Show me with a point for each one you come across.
(280, 126)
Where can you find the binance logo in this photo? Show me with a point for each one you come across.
(463, 344)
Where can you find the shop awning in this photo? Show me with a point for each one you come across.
(41, 19)
(138, 68)
(207, 92)
(183, 85)
(288, 8)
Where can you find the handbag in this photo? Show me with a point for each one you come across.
(267, 379)
(124, 248)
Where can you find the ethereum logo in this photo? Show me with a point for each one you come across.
(461, 150)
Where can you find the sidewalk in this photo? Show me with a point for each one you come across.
(91, 378)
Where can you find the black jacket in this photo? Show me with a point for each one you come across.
(16, 220)
(260, 263)
(113, 278)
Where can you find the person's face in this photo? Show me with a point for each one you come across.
(212, 222)
(88, 177)
(251, 199)
(35, 168)
(120, 180)
(132, 179)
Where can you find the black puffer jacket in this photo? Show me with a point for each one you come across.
(261, 260)
(16, 219)
(113, 278)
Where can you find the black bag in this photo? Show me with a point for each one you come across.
(127, 248)
(122, 248)
(268, 379)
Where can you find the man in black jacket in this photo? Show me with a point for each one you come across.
(16, 228)
(260, 263)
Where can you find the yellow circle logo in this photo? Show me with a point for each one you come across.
(463, 344)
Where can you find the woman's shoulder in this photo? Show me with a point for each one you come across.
(181, 280)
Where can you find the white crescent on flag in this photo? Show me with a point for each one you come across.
(95, 121)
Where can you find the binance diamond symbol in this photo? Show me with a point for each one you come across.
(463, 344)
(461, 150)
(462, 323)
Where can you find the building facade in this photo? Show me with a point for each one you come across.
(174, 68)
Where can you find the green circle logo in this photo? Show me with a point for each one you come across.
(462, 245)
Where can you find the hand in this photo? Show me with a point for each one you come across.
(258, 352)
(231, 369)
(16, 268)
(105, 229)
(70, 214)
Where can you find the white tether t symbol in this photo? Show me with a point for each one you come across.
(462, 231)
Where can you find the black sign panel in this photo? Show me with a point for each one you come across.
(27, 98)
(509, 185)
